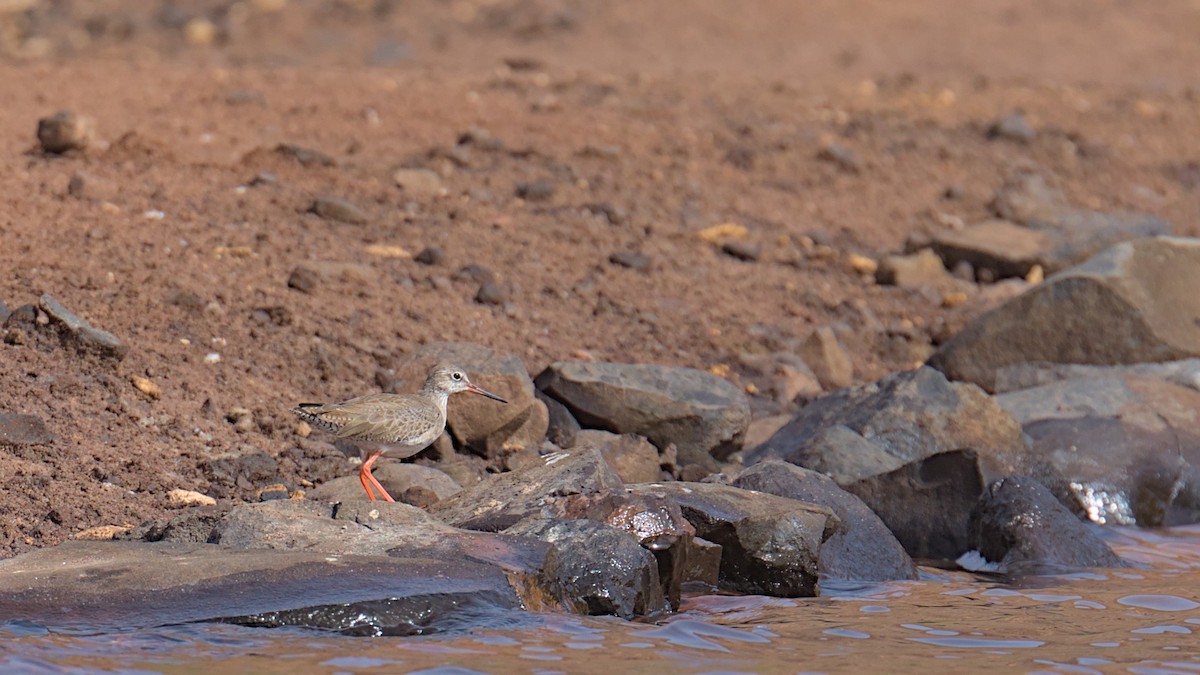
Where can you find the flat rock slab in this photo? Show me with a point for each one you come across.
(80, 334)
(703, 415)
(531, 491)
(1127, 444)
(1134, 302)
(122, 585)
(863, 549)
(769, 545)
(18, 429)
(918, 449)
(1021, 525)
(485, 426)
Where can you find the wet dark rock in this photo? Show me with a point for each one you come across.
(428, 484)
(1021, 525)
(492, 293)
(1003, 248)
(536, 191)
(303, 279)
(1126, 444)
(17, 429)
(770, 545)
(602, 570)
(827, 359)
(88, 186)
(862, 549)
(703, 563)
(123, 585)
(306, 157)
(633, 260)
(432, 255)
(534, 490)
(1012, 127)
(633, 458)
(487, 427)
(80, 334)
(917, 449)
(562, 425)
(341, 210)
(1136, 302)
(703, 415)
(742, 250)
(65, 131)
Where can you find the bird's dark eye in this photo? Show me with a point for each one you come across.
(456, 376)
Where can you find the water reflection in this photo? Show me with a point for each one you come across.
(1144, 622)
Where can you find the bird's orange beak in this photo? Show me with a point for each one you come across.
(483, 392)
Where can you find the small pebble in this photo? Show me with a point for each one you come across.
(180, 498)
(65, 131)
(742, 250)
(634, 260)
(146, 387)
(432, 255)
(492, 293)
(536, 191)
(333, 208)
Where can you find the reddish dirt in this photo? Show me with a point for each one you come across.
(677, 116)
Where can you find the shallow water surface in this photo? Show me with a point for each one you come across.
(1144, 621)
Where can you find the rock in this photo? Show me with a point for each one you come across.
(1136, 302)
(334, 208)
(80, 334)
(431, 255)
(4, 313)
(1071, 234)
(418, 182)
(1185, 373)
(923, 269)
(482, 425)
(1005, 249)
(742, 250)
(65, 131)
(828, 360)
(561, 425)
(531, 491)
(704, 415)
(840, 156)
(306, 157)
(614, 214)
(703, 563)
(633, 260)
(123, 585)
(1012, 127)
(181, 498)
(331, 270)
(863, 549)
(535, 191)
(769, 545)
(633, 458)
(917, 449)
(1126, 445)
(18, 429)
(87, 186)
(240, 472)
(429, 484)
(785, 377)
(492, 293)
(604, 570)
(1019, 524)
(101, 532)
(303, 279)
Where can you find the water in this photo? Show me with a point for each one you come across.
(1144, 621)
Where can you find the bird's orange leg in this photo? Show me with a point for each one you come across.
(368, 480)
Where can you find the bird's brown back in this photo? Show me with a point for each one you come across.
(402, 419)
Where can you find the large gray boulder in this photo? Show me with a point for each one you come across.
(1134, 302)
(703, 415)
(862, 549)
(1125, 442)
(916, 448)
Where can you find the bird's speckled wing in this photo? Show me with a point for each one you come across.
(402, 419)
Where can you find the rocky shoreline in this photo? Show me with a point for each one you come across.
(648, 487)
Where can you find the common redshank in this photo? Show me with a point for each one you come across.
(396, 425)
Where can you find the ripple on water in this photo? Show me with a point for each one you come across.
(1159, 603)
(695, 634)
